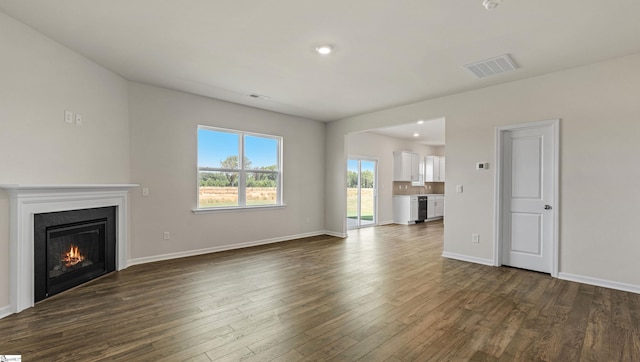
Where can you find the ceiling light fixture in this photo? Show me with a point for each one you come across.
(324, 49)
(420, 122)
(416, 135)
(491, 4)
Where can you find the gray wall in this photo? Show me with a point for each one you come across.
(163, 158)
(600, 124)
(142, 134)
(135, 133)
(39, 80)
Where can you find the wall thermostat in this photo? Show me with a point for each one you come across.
(482, 166)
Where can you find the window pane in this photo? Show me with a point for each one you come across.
(260, 153)
(218, 189)
(352, 189)
(217, 149)
(262, 188)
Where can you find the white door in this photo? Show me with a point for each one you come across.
(528, 192)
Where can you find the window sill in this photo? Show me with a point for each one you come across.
(236, 208)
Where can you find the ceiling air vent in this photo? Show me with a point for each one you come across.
(259, 96)
(488, 67)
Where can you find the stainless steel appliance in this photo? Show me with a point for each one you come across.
(422, 209)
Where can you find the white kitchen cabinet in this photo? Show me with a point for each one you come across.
(435, 206)
(413, 208)
(434, 168)
(420, 181)
(406, 167)
(440, 207)
(405, 209)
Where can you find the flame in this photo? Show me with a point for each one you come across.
(72, 257)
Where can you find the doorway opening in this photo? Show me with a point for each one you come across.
(361, 193)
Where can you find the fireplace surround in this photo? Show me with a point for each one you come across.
(25, 201)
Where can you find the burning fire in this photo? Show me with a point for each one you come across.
(72, 257)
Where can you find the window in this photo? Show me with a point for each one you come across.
(238, 169)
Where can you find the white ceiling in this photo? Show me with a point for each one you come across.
(388, 53)
(430, 132)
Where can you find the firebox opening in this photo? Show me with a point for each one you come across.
(71, 248)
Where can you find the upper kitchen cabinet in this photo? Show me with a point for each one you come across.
(406, 167)
(434, 168)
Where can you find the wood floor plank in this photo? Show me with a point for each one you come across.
(382, 294)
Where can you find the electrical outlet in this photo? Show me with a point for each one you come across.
(145, 191)
(475, 238)
(78, 119)
(166, 235)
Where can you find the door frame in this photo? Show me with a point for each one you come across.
(498, 193)
(375, 189)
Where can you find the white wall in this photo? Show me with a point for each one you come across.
(381, 148)
(600, 123)
(163, 158)
(39, 80)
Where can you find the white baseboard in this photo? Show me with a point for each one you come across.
(5, 311)
(470, 259)
(600, 282)
(337, 235)
(183, 254)
(388, 222)
(435, 218)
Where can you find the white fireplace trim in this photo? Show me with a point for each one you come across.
(27, 200)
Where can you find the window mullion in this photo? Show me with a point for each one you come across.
(242, 175)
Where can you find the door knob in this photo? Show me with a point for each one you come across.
(547, 207)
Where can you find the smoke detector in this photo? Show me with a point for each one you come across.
(489, 67)
(491, 4)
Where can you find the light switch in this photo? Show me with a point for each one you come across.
(78, 119)
(145, 191)
(458, 189)
(68, 116)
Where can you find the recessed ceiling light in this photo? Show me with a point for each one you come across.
(324, 49)
(420, 122)
(416, 135)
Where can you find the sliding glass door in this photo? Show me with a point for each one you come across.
(361, 193)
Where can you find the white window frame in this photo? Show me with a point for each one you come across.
(242, 172)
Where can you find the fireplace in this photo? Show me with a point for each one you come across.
(26, 201)
(71, 248)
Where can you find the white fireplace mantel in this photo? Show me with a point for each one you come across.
(28, 200)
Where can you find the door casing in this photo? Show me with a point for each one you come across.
(498, 193)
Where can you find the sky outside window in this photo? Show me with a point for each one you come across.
(216, 146)
(261, 151)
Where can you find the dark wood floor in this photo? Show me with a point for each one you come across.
(383, 294)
